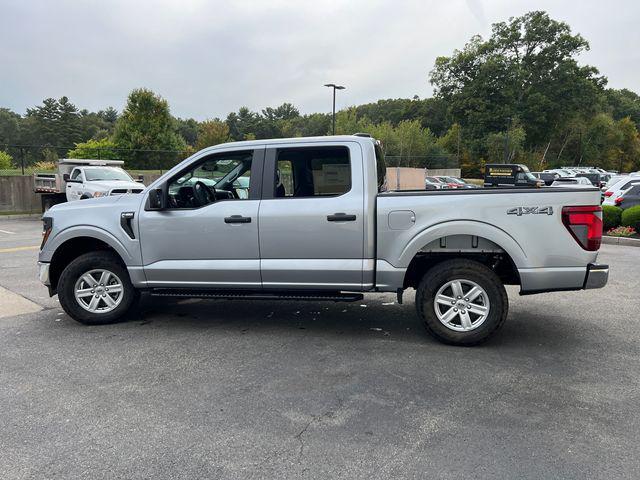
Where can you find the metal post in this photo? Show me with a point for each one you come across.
(333, 115)
(334, 110)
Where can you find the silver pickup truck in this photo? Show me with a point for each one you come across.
(312, 219)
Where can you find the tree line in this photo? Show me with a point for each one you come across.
(518, 96)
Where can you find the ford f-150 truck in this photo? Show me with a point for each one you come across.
(317, 222)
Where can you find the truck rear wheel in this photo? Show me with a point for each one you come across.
(461, 302)
(95, 289)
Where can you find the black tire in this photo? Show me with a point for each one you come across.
(78, 267)
(447, 271)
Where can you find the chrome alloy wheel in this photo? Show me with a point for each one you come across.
(98, 291)
(461, 305)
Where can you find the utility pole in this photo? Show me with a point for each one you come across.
(335, 87)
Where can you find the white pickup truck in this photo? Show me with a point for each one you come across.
(317, 222)
(79, 179)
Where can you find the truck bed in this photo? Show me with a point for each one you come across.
(524, 223)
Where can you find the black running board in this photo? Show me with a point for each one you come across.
(254, 295)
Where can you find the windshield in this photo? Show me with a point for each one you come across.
(106, 173)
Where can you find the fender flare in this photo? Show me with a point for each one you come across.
(91, 232)
(464, 227)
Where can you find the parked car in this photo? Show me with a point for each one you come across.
(619, 188)
(458, 181)
(333, 233)
(546, 177)
(450, 182)
(79, 179)
(629, 198)
(561, 172)
(432, 183)
(436, 181)
(613, 180)
(594, 178)
(575, 182)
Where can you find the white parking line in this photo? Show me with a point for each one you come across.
(6, 231)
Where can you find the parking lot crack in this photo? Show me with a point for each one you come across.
(315, 419)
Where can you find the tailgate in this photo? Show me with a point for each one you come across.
(47, 183)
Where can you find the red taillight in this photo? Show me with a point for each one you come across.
(585, 225)
(608, 193)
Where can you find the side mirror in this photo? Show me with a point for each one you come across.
(65, 177)
(156, 199)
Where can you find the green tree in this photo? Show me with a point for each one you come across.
(623, 103)
(212, 132)
(109, 115)
(629, 146)
(9, 127)
(54, 123)
(526, 70)
(103, 149)
(286, 111)
(6, 161)
(147, 129)
(188, 130)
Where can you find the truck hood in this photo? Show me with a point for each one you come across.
(88, 203)
(108, 185)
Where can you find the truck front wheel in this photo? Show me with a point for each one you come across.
(461, 302)
(95, 289)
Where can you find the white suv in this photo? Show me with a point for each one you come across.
(616, 189)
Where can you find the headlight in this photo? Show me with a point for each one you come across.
(98, 194)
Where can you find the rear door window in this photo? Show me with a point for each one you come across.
(312, 172)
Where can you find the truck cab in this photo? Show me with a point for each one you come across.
(89, 181)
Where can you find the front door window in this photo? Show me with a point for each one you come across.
(218, 177)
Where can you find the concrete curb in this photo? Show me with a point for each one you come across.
(20, 215)
(627, 242)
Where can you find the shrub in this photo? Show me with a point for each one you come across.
(103, 149)
(621, 232)
(44, 166)
(631, 216)
(611, 216)
(5, 161)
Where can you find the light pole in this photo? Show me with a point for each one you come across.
(335, 87)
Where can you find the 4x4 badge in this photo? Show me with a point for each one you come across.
(530, 211)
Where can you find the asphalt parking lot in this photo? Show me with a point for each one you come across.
(230, 389)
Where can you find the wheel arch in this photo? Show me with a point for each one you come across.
(71, 246)
(474, 240)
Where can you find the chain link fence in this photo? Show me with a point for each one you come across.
(29, 159)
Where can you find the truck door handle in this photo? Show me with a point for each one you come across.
(341, 217)
(237, 219)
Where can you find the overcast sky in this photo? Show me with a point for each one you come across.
(209, 57)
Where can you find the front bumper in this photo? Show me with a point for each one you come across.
(43, 272)
(597, 276)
